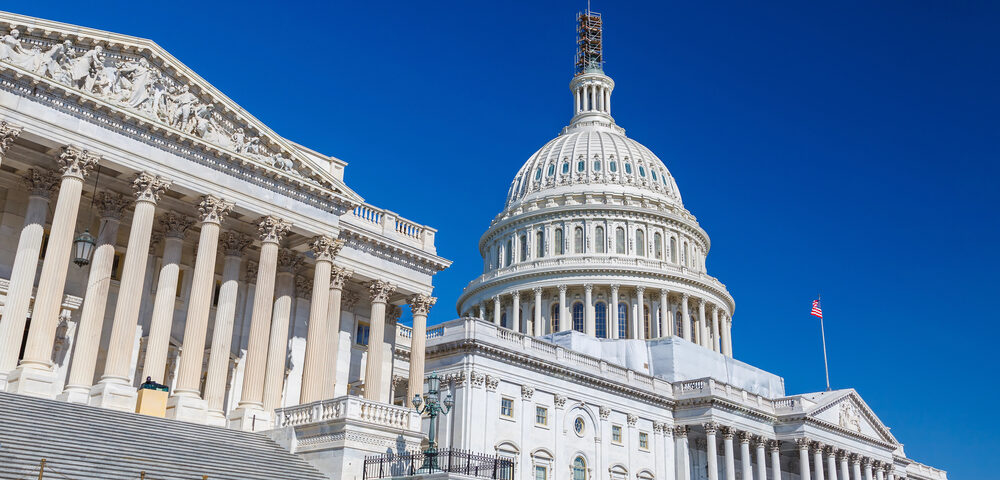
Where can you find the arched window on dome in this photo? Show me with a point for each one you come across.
(578, 316)
(565, 167)
(622, 320)
(640, 243)
(597, 165)
(653, 173)
(642, 171)
(678, 324)
(579, 469)
(620, 241)
(599, 240)
(601, 320)
(628, 168)
(658, 245)
(578, 240)
(499, 258)
(613, 166)
(581, 165)
(686, 255)
(552, 170)
(560, 244)
(646, 321)
(673, 249)
(554, 319)
(524, 247)
(663, 178)
(539, 244)
(508, 254)
(538, 174)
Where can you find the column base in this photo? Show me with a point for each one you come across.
(187, 407)
(33, 381)
(114, 396)
(216, 418)
(79, 395)
(250, 419)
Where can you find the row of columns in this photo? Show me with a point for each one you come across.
(592, 97)
(831, 463)
(711, 329)
(265, 364)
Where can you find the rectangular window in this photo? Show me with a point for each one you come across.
(116, 267)
(507, 407)
(361, 337)
(541, 416)
(215, 293)
(643, 440)
(616, 434)
(541, 472)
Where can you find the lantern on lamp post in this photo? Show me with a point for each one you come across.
(432, 406)
(83, 246)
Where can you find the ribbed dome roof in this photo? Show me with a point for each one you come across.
(592, 159)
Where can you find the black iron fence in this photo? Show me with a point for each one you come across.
(449, 460)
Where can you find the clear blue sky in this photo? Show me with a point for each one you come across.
(849, 149)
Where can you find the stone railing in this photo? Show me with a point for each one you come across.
(920, 470)
(710, 387)
(348, 407)
(391, 225)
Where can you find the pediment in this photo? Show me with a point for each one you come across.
(846, 409)
(138, 78)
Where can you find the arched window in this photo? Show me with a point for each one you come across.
(628, 168)
(508, 254)
(642, 171)
(686, 254)
(613, 166)
(601, 320)
(579, 469)
(578, 240)
(597, 165)
(578, 316)
(620, 240)
(581, 165)
(560, 245)
(653, 173)
(524, 247)
(538, 173)
(599, 240)
(673, 249)
(645, 320)
(565, 168)
(539, 244)
(658, 245)
(554, 319)
(552, 170)
(499, 258)
(678, 324)
(640, 243)
(622, 320)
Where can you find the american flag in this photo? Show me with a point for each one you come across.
(816, 311)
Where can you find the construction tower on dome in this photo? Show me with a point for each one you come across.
(588, 52)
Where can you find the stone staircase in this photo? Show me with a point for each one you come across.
(84, 443)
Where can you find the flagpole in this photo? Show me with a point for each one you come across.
(822, 332)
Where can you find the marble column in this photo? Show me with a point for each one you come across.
(35, 375)
(538, 312)
(774, 447)
(817, 451)
(831, 462)
(683, 462)
(686, 318)
(759, 444)
(565, 322)
(497, 310)
(515, 312)
(855, 466)
(845, 472)
(640, 317)
(711, 454)
(250, 414)
(613, 312)
(158, 339)
(866, 464)
(482, 310)
(729, 336)
(666, 329)
(8, 133)
(233, 246)
(186, 402)
(703, 339)
(420, 305)
(324, 249)
(727, 445)
(746, 463)
(333, 383)
(380, 291)
(716, 331)
(589, 325)
(803, 446)
(95, 301)
(289, 262)
(41, 184)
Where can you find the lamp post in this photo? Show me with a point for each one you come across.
(432, 408)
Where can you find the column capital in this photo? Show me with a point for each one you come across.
(710, 427)
(421, 304)
(339, 277)
(759, 441)
(745, 437)
(604, 412)
(841, 454)
(701, 302)
(154, 239)
(640, 290)
(685, 297)
(76, 162)
(816, 447)
(272, 229)
(350, 299)
(289, 260)
(614, 288)
(802, 443)
(111, 205)
(213, 209)
(303, 287)
(854, 458)
(562, 288)
(866, 462)
(379, 290)
(830, 450)
(233, 244)
(516, 294)
(148, 187)
(392, 313)
(41, 182)
(728, 432)
(588, 287)
(8, 133)
(681, 431)
(774, 445)
(631, 419)
(537, 290)
(325, 248)
(174, 225)
(527, 391)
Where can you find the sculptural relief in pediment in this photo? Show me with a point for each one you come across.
(133, 82)
(850, 413)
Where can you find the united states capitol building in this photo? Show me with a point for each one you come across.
(162, 251)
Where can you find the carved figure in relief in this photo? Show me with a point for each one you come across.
(86, 68)
(141, 82)
(849, 417)
(183, 106)
(55, 63)
(281, 163)
(11, 51)
(239, 140)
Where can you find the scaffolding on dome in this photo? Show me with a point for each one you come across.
(589, 57)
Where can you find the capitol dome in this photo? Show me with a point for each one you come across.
(594, 237)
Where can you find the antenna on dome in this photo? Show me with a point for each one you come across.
(589, 56)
